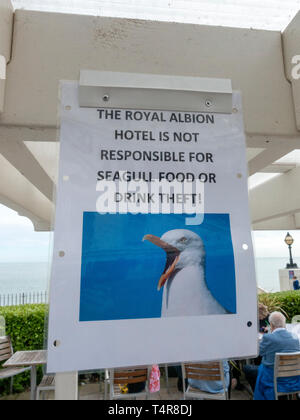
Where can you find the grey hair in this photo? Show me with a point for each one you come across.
(277, 320)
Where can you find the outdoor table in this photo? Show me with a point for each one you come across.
(294, 328)
(28, 358)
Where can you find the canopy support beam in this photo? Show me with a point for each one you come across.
(23, 160)
(277, 198)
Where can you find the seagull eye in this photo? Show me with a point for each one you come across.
(183, 240)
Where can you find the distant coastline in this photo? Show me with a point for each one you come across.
(25, 277)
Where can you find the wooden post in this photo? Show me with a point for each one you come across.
(66, 386)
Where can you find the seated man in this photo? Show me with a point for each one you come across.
(279, 341)
(214, 387)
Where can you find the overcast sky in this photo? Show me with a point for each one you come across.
(19, 242)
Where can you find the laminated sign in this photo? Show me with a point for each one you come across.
(152, 259)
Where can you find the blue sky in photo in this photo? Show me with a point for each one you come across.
(120, 273)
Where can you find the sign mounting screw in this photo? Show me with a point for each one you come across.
(208, 103)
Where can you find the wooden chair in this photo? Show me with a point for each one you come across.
(47, 384)
(6, 352)
(116, 378)
(207, 371)
(286, 365)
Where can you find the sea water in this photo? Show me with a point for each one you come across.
(23, 277)
(34, 276)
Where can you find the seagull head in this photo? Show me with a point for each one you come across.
(183, 248)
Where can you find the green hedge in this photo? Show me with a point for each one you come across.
(289, 302)
(26, 326)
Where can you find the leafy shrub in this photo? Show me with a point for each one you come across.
(26, 326)
(286, 302)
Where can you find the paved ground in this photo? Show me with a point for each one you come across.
(95, 392)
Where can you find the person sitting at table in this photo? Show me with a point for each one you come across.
(213, 387)
(263, 317)
(279, 341)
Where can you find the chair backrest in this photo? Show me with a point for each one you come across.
(296, 319)
(204, 371)
(286, 365)
(130, 376)
(6, 350)
(210, 371)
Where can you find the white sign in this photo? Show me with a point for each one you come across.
(152, 259)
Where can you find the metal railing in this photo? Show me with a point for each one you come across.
(15, 299)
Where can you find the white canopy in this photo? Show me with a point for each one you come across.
(41, 48)
(267, 14)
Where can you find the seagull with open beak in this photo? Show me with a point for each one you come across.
(185, 289)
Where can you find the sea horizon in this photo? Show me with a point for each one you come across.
(27, 277)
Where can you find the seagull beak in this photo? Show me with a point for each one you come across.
(172, 257)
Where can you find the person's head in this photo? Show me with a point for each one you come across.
(277, 320)
(262, 311)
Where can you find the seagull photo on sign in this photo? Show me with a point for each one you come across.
(192, 266)
(185, 288)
